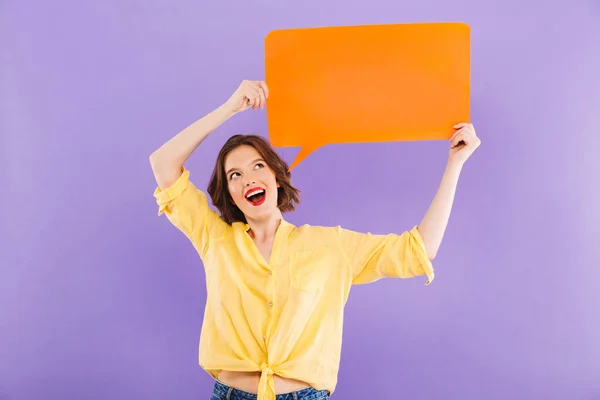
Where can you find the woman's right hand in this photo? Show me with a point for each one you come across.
(249, 94)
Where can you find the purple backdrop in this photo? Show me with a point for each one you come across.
(102, 299)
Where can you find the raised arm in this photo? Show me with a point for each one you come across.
(433, 226)
(408, 254)
(184, 204)
(168, 160)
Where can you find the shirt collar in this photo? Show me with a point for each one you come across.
(284, 226)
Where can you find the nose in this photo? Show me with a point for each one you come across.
(250, 182)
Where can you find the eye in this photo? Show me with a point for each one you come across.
(233, 175)
(259, 165)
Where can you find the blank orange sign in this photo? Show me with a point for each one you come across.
(374, 83)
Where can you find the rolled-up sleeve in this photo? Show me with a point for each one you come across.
(187, 208)
(373, 257)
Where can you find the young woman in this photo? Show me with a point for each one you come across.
(276, 292)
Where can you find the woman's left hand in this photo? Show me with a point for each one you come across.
(463, 143)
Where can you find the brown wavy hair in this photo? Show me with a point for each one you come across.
(287, 195)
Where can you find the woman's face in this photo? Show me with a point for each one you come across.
(251, 183)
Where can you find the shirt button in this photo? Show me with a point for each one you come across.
(270, 304)
(264, 338)
(270, 272)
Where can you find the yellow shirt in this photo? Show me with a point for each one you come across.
(284, 316)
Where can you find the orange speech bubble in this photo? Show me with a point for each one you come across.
(372, 83)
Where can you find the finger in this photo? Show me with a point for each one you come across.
(461, 130)
(252, 94)
(454, 135)
(260, 99)
(262, 91)
(461, 125)
(468, 138)
(458, 138)
(264, 87)
(263, 100)
(472, 129)
(251, 100)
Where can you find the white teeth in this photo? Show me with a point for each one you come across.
(255, 192)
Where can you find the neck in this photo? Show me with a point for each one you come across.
(264, 229)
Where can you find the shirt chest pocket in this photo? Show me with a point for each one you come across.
(309, 269)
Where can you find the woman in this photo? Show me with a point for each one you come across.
(276, 292)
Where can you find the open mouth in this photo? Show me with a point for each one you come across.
(256, 196)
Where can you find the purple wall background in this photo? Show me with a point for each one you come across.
(100, 298)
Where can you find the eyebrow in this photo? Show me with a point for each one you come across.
(251, 162)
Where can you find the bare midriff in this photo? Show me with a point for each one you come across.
(248, 382)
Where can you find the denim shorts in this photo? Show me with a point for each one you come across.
(223, 392)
